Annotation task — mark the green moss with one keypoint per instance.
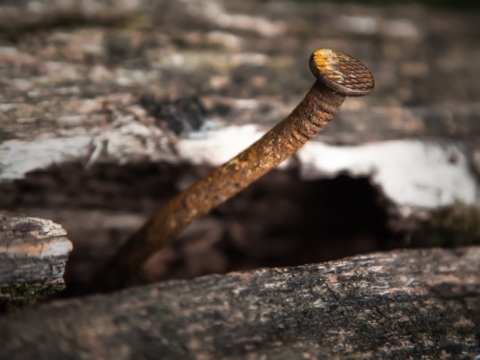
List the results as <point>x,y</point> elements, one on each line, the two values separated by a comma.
<point>137,22</point>
<point>17,295</point>
<point>455,5</point>
<point>14,32</point>
<point>450,226</point>
<point>456,225</point>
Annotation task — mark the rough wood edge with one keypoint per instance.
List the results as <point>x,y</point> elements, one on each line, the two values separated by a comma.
<point>33,254</point>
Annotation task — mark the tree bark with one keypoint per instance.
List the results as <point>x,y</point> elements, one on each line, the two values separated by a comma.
<point>397,305</point>
<point>33,253</point>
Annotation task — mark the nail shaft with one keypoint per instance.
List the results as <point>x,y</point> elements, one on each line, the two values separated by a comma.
<point>315,111</point>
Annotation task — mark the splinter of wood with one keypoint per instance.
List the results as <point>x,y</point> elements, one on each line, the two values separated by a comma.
<point>338,75</point>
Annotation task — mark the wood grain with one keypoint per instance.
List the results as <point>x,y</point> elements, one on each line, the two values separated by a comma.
<point>396,305</point>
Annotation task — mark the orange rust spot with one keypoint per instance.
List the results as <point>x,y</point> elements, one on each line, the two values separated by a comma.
<point>326,60</point>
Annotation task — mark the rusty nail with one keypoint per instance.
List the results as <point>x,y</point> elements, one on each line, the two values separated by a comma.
<point>338,75</point>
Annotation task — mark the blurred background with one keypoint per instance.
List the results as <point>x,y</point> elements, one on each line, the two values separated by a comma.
<point>108,108</point>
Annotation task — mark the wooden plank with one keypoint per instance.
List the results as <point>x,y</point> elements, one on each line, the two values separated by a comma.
<point>400,304</point>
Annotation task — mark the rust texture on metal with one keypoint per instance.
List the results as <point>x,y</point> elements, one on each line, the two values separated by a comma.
<point>338,75</point>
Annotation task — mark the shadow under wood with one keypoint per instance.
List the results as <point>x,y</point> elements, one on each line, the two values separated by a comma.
<point>279,220</point>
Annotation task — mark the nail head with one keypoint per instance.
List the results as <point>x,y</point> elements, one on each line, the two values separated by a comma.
<point>341,73</point>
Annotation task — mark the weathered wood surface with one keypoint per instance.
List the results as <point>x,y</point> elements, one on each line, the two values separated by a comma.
<point>33,254</point>
<point>198,81</point>
<point>100,101</point>
<point>397,305</point>
<point>118,86</point>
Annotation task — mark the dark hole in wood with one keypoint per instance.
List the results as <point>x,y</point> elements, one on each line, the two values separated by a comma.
<point>278,221</point>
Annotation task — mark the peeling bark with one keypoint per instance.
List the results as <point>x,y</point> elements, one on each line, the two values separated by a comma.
<point>398,305</point>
